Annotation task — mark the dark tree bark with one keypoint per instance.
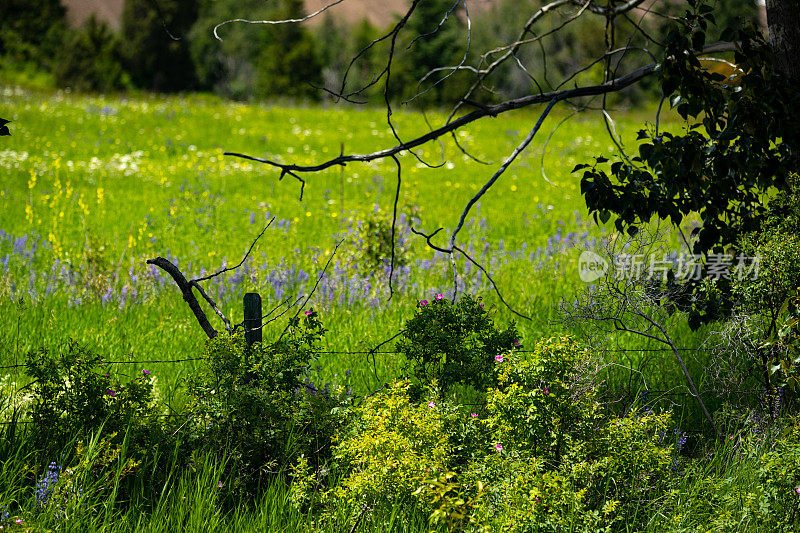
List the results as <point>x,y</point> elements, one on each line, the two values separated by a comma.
<point>783,21</point>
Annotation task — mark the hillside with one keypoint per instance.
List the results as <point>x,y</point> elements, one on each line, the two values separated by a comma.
<point>110,11</point>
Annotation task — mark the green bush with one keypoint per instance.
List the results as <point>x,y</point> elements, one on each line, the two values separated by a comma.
<point>391,445</point>
<point>541,455</point>
<point>771,298</point>
<point>372,242</point>
<point>455,343</point>
<point>544,402</point>
<point>556,458</point>
<point>74,397</point>
<point>779,474</point>
<point>258,405</point>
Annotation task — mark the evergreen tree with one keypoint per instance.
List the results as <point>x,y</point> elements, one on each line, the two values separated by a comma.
<point>27,27</point>
<point>157,52</point>
<point>90,59</point>
<point>430,46</point>
<point>289,64</point>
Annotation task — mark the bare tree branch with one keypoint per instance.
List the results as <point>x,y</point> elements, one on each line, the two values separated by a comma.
<point>188,295</point>
<point>186,287</point>
<point>287,21</point>
<point>629,303</point>
<point>246,255</point>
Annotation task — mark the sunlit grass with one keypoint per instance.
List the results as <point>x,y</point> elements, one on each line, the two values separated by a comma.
<point>93,186</point>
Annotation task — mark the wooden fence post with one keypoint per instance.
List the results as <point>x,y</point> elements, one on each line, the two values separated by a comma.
<point>252,318</point>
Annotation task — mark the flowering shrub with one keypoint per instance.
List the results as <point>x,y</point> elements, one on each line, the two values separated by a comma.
<point>73,397</point>
<point>552,458</point>
<point>455,343</point>
<point>391,445</point>
<point>543,400</point>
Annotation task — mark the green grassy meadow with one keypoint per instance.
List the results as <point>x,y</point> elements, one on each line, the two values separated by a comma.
<point>93,186</point>
<point>99,184</point>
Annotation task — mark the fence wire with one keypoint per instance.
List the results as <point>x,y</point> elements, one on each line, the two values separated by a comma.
<point>364,352</point>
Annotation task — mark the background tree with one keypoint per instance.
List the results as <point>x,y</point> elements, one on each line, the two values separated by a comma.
<point>157,51</point>
<point>434,39</point>
<point>227,65</point>
<point>288,64</point>
<point>91,59</point>
<point>245,60</point>
<point>31,30</point>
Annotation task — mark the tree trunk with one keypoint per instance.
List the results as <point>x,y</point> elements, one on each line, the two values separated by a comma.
<point>783,21</point>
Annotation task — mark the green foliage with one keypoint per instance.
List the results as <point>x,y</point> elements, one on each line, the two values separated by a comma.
<point>541,455</point>
<point>373,241</point>
<point>432,42</point>
<point>72,397</point>
<point>90,59</point>
<point>543,400</point>
<point>266,61</point>
<point>722,166</point>
<point>741,132</point>
<point>455,343</point>
<point>769,295</point>
<point>29,29</point>
<point>555,459</point>
<point>779,475</point>
<point>157,53</point>
<point>391,444</point>
<point>227,66</point>
<point>254,406</point>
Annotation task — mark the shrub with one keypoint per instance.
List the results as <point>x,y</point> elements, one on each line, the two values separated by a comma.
<point>770,299</point>
<point>254,405</point>
<point>544,401</point>
<point>552,457</point>
<point>779,474</point>
<point>72,397</point>
<point>391,445</point>
<point>455,343</point>
<point>372,241</point>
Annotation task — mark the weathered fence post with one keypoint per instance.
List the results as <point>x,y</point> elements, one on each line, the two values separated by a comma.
<point>252,318</point>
